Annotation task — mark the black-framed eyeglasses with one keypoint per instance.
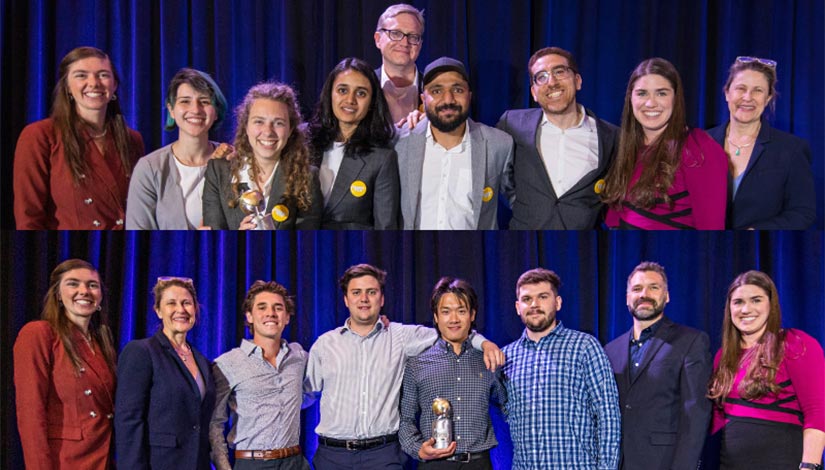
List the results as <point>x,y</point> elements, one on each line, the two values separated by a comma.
<point>747,59</point>
<point>562,72</point>
<point>185,280</point>
<point>395,35</point>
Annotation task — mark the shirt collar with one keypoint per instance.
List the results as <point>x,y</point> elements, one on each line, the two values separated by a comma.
<point>378,327</point>
<point>559,330</point>
<point>584,123</point>
<point>464,140</point>
<point>444,344</point>
<point>386,78</point>
<point>249,347</point>
<point>647,333</point>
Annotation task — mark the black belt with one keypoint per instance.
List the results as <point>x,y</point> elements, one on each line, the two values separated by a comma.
<point>467,457</point>
<point>358,444</point>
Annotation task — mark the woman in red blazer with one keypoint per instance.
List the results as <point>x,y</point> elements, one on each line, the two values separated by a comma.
<point>64,375</point>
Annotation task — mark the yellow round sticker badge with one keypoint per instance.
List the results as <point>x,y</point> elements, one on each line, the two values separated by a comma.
<point>598,187</point>
<point>280,213</point>
<point>358,188</point>
<point>487,194</point>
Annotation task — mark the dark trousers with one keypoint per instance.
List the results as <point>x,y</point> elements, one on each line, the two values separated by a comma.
<point>482,463</point>
<point>296,462</point>
<point>388,456</point>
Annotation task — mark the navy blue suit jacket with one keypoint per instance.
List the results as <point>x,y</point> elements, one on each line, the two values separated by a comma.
<point>161,422</point>
<point>665,414</point>
<point>777,189</point>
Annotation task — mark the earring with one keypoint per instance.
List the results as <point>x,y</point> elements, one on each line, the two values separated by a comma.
<point>98,307</point>
<point>114,97</point>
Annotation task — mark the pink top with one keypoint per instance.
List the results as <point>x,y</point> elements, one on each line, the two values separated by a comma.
<point>699,191</point>
<point>801,376</point>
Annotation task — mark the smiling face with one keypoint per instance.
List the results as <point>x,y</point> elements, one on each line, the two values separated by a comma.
<point>537,306</point>
<point>193,111</point>
<point>268,128</point>
<point>749,311</point>
<point>747,96</point>
<point>647,295</point>
<point>446,101</point>
<point>453,319</point>
<point>268,316</point>
<point>91,84</point>
<point>399,53</point>
<point>176,310</point>
<point>351,99</point>
<point>364,300</point>
<point>80,293</point>
<point>652,101</point>
<point>556,97</point>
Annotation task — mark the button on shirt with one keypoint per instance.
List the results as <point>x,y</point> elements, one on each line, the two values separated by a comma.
<point>639,346</point>
<point>568,154</point>
<point>563,404</point>
<point>447,185</point>
<point>265,401</point>
<point>461,379</point>
<point>360,377</point>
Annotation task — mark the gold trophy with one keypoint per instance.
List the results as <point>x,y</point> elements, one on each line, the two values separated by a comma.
<point>442,424</point>
<point>252,202</point>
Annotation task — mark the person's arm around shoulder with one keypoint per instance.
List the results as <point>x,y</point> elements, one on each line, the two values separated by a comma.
<point>310,219</point>
<point>706,177</point>
<point>135,373</point>
<point>805,363</point>
<point>213,215</point>
<point>32,173</point>
<point>386,203</point>
<point>696,408</point>
<point>220,415</point>
<point>142,201</point>
<point>33,364</point>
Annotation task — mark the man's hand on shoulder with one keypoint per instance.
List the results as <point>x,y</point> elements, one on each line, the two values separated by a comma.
<point>493,356</point>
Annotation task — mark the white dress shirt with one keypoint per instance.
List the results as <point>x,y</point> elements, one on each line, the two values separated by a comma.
<point>447,186</point>
<point>401,100</point>
<point>329,168</point>
<point>568,154</point>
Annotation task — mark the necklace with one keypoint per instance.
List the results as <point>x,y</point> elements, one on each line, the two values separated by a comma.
<point>99,136</point>
<point>743,146</point>
<point>184,352</point>
<point>87,337</point>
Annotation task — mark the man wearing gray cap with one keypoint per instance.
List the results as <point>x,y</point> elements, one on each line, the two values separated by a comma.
<point>452,168</point>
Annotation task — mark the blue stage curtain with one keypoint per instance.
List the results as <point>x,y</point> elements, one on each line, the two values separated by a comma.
<point>593,268</point>
<point>243,42</point>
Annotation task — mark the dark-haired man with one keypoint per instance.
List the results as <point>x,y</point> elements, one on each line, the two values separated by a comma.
<point>452,370</point>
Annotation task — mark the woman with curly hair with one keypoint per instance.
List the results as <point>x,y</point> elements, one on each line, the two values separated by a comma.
<point>767,383</point>
<point>271,158</point>
<point>666,176</point>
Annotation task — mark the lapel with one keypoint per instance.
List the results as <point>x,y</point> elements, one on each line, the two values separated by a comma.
<point>276,192</point>
<point>762,140</point>
<point>656,342</point>
<point>175,195</point>
<point>478,159</point>
<point>623,360</point>
<point>101,168</point>
<point>587,179</point>
<point>532,124</point>
<point>170,351</point>
<point>416,144</point>
<point>348,172</point>
<point>95,363</point>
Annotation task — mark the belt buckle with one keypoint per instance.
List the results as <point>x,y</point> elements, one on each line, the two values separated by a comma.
<point>349,445</point>
<point>257,455</point>
<point>465,457</point>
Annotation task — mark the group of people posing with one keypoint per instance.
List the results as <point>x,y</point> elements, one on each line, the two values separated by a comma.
<point>645,401</point>
<point>369,158</point>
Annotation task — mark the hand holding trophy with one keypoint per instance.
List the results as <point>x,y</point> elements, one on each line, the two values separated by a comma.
<point>251,201</point>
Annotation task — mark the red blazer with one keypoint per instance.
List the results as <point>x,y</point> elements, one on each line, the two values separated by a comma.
<point>45,197</point>
<point>64,418</point>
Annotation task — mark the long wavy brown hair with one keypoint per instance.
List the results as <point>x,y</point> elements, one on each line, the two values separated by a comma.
<point>54,313</point>
<point>294,159</point>
<point>69,125</point>
<point>662,157</point>
<point>765,356</point>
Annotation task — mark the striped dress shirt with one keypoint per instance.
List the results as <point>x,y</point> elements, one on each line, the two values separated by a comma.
<point>360,377</point>
<point>461,379</point>
<point>563,404</point>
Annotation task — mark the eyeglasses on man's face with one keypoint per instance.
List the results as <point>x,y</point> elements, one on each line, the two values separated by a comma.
<point>747,59</point>
<point>562,72</point>
<point>395,35</point>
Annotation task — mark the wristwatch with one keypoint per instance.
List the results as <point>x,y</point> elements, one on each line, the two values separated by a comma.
<point>810,466</point>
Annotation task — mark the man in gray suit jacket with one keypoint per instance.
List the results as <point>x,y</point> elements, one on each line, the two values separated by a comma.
<point>562,150</point>
<point>452,169</point>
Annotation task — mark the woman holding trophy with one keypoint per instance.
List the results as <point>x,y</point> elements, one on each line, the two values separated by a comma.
<point>269,184</point>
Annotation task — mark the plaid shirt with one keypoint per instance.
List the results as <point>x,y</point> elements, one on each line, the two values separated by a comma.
<point>563,404</point>
<point>464,382</point>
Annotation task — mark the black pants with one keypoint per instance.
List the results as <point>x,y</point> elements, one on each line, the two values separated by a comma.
<point>386,457</point>
<point>482,463</point>
<point>750,444</point>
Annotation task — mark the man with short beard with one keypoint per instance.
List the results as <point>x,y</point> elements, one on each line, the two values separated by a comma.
<point>563,407</point>
<point>662,370</point>
<point>562,149</point>
<point>452,168</point>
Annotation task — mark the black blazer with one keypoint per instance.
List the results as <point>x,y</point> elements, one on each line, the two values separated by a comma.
<point>217,188</point>
<point>536,205</point>
<point>665,414</point>
<point>777,191</point>
<point>378,207</point>
<point>161,420</point>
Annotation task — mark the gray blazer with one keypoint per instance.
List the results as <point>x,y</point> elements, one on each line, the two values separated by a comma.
<point>492,153</point>
<point>536,205</point>
<point>378,207</point>
<point>217,191</point>
<point>155,200</point>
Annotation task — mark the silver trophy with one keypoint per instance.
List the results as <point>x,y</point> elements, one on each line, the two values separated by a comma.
<point>252,202</point>
<point>442,424</point>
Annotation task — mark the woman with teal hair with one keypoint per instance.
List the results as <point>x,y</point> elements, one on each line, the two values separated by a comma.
<point>167,185</point>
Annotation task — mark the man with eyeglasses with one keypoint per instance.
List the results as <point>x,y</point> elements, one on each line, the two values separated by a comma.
<point>452,168</point>
<point>398,36</point>
<point>562,150</point>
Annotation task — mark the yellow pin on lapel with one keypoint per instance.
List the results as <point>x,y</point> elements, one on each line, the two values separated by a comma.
<point>598,187</point>
<point>280,213</point>
<point>487,194</point>
<point>358,188</point>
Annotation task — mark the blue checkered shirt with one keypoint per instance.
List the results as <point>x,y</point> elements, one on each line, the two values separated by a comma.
<point>563,404</point>
<point>464,382</point>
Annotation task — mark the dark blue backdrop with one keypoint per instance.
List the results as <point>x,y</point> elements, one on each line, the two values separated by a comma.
<point>593,267</point>
<point>243,42</point>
